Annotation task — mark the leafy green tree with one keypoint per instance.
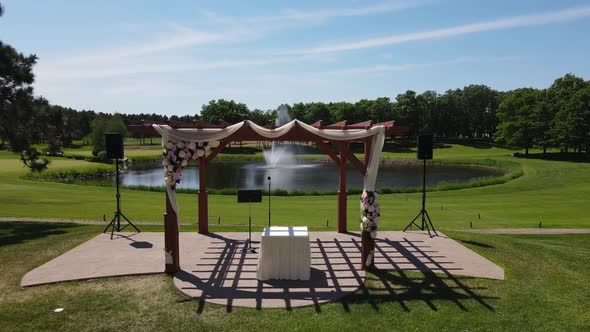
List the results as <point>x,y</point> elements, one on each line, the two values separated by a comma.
<point>16,95</point>
<point>543,122</point>
<point>447,118</point>
<point>517,118</point>
<point>426,103</point>
<point>116,125</point>
<point>380,110</point>
<point>572,122</point>
<point>344,111</point>
<point>300,111</point>
<point>481,105</point>
<point>558,96</point>
<point>260,117</point>
<point>407,110</point>
<point>19,119</point>
<point>363,108</point>
<point>319,111</point>
<point>106,124</point>
<point>99,129</point>
<point>224,110</point>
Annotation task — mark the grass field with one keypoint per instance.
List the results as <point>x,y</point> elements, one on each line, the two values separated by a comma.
<point>545,290</point>
<point>552,192</point>
<point>546,276</point>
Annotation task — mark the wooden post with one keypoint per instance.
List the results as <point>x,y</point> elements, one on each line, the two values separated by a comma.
<point>171,243</point>
<point>203,209</point>
<point>367,246</point>
<point>342,194</point>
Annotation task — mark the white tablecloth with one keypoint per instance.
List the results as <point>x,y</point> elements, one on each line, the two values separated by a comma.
<point>284,253</point>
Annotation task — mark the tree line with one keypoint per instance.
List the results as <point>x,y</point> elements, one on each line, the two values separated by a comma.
<point>555,117</point>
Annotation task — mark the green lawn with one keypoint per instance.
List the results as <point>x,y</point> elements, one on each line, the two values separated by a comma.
<point>551,192</point>
<point>546,276</point>
<point>545,290</point>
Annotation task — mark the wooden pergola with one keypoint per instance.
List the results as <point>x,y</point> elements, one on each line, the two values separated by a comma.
<point>338,150</point>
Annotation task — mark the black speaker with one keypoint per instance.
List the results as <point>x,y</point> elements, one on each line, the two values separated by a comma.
<point>249,196</point>
<point>424,147</point>
<point>114,145</point>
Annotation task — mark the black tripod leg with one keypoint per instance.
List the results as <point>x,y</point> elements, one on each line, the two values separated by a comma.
<point>412,222</point>
<point>110,224</point>
<point>431,225</point>
<point>130,223</point>
<point>113,228</point>
<point>425,224</point>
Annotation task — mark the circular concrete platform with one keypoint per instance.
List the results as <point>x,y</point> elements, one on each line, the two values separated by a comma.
<point>221,272</point>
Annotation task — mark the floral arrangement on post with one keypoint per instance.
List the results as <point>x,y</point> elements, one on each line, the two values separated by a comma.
<point>370,212</point>
<point>370,219</point>
<point>177,155</point>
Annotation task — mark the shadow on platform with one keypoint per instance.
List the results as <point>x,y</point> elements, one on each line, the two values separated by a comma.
<point>408,271</point>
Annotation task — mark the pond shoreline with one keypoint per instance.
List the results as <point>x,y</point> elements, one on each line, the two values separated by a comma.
<point>96,177</point>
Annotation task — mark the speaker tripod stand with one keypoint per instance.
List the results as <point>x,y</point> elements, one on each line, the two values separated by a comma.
<point>115,224</point>
<point>423,214</point>
<point>249,247</point>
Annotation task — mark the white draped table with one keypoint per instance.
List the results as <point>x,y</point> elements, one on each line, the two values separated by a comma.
<point>284,253</point>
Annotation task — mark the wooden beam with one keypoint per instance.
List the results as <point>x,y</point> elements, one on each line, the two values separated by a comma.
<point>317,124</point>
<point>217,150</point>
<point>342,220</point>
<point>361,125</point>
<point>329,152</point>
<point>171,237</point>
<point>343,147</point>
<point>203,203</point>
<point>337,125</point>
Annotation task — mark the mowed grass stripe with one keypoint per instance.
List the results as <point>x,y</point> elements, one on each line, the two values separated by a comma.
<point>551,192</point>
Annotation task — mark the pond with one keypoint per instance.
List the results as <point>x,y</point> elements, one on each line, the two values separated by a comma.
<point>308,175</point>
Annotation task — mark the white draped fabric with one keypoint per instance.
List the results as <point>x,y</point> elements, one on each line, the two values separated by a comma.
<point>215,134</point>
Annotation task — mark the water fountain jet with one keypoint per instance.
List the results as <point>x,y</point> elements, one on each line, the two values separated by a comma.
<point>279,153</point>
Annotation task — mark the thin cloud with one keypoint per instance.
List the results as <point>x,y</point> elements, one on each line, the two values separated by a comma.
<point>500,24</point>
<point>182,37</point>
<point>322,15</point>
<point>56,73</point>
<point>379,68</point>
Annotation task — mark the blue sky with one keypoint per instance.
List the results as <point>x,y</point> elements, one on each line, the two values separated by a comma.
<point>172,57</point>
